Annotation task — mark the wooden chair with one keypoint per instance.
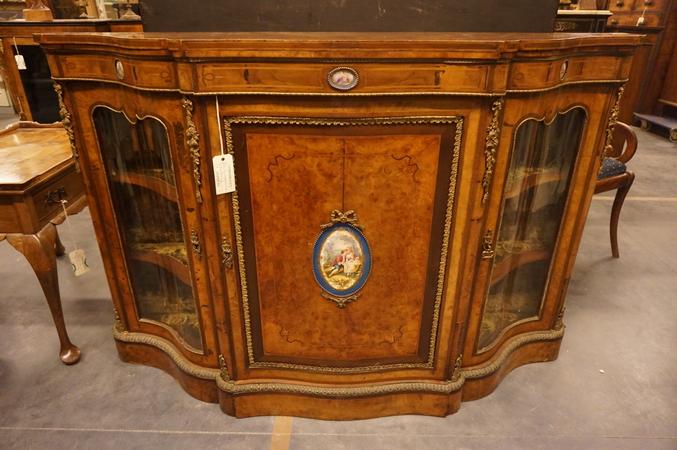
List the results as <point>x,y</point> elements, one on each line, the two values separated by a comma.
<point>614,175</point>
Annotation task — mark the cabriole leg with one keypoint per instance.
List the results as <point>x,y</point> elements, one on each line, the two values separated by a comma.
<point>40,250</point>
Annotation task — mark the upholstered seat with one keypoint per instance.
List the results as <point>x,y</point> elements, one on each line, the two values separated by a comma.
<point>613,174</point>
<point>611,167</point>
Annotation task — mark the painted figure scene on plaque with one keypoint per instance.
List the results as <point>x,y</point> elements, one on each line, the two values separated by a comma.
<point>341,259</point>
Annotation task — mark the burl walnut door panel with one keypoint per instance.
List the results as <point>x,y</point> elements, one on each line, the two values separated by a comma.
<point>387,186</point>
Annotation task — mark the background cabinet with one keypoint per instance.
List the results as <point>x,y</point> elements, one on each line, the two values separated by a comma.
<point>581,21</point>
<point>31,91</point>
<point>657,20</point>
<point>527,16</point>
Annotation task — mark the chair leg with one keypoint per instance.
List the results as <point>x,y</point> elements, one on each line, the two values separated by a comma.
<point>616,212</point>
<point>39,250</point>
<point>60,250</point>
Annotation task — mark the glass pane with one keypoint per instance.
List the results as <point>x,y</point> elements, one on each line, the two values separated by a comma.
<point>141,179</point>
<point>535,193</point>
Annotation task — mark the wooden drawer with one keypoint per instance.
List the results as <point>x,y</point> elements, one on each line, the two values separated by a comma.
<point>244,77</point>
<point>621,5</point>
<point>637,5</point>
<point>311,78</point>
<point>630,20</point>
<point>548,74</point>
<point>144,74</point>
<point>67,186</point>
<point>651,5</point>
<point>586,25</point>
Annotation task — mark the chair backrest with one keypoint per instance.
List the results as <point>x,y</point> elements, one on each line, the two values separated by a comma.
<point>624,143</point>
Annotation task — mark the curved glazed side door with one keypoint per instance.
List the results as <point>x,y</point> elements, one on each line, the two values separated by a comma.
<point>545,167</point>
<point>145,202</point>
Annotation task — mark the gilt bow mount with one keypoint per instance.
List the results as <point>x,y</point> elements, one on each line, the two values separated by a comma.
<point>341,258</point>
<point>337,216</point>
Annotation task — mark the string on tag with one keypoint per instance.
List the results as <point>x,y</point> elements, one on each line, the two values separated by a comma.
<point>77,257</point>
<point>218,122</point>
<point>68,223</point>
<point>18,58</point>
<point>224,168</point>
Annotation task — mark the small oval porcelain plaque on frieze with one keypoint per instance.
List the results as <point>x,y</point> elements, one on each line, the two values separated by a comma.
<point>343,78</point>
<point>563,70</point>
<point>119,69</point>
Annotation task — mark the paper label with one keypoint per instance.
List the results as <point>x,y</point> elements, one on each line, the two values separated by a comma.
<point>20,62</point>
<point>78,262</point>
<point>224,174</point>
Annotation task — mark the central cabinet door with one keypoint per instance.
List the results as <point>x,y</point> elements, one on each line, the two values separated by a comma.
<point>342,231</point>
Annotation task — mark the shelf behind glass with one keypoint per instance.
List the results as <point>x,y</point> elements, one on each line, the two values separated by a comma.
<point>535,193</point>
<point>144,195</point>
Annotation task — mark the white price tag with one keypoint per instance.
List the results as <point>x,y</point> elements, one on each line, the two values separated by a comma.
<point>224,174</point>
<point>78,262</point>
<point>20,62</point>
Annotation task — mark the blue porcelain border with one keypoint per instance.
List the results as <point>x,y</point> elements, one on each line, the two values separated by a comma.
<point>366,265</point>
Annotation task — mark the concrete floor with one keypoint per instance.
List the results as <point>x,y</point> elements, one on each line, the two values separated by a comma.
<point>7,116</point>
<point>613,386</point>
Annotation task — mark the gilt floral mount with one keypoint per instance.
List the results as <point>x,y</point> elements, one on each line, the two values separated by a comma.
<point>341,258</point>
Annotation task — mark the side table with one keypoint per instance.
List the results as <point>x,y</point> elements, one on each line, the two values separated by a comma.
<point>37,172</point>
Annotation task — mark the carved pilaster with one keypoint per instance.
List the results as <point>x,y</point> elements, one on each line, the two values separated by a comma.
<point>119,327</point>
<point>490,146</point>
<point>613,119</point>
<point>67,123</point>
<point>223,369</point>
<point>193,144</point>
<point>456,374</point>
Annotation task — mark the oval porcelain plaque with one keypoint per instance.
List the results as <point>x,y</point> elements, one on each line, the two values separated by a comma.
<point>343,78</point>
<point>119,69</point>
<point>563,70</point>
<point>341,260</point>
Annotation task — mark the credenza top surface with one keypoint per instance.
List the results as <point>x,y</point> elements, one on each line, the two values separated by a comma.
<point>502,42</point>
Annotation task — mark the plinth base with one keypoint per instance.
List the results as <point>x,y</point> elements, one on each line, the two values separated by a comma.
<point>247,398</point>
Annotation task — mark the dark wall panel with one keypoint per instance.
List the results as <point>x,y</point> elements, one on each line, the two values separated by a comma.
<point>349,15</point>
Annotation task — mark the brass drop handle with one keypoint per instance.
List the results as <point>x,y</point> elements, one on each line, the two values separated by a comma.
<point>620,3</point>
<point>648,2</point>
<point>56,196</point>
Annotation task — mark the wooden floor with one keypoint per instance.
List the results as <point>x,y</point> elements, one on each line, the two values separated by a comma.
<point>613,386</point>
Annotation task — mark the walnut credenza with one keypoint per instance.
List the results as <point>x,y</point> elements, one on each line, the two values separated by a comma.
<point>406,215</point>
